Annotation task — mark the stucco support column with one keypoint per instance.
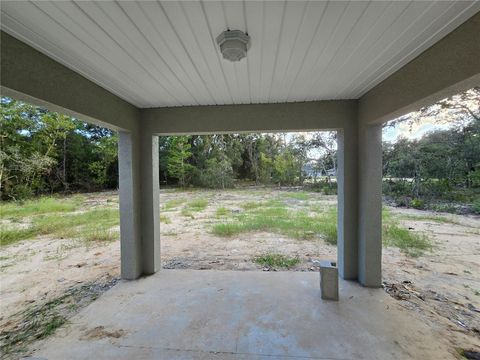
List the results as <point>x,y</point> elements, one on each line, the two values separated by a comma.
<point>129,198</point>
<point>347,244</point>
<point>370,205</point>
<point>139,204</point>
<point>150,206</point>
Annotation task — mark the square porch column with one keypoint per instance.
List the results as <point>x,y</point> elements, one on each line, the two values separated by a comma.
<point>347,241</point>
<point>139,204</point>
<point>370,205</point>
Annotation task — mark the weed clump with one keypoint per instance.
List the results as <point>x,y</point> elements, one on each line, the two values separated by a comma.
<point>276,261</point>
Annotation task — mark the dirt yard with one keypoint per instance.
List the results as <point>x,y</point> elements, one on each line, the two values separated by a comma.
<point>249,229</point>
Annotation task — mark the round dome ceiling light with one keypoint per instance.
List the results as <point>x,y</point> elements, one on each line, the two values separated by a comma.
<point>233,44</point>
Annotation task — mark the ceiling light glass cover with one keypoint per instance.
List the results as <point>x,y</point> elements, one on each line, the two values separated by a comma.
<point>233,44</point>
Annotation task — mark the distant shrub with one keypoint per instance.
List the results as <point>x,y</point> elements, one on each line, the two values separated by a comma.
<point>417,203</point>
<point>397,188</point>
<point>218,174</point>
<point>21,192</point>
<point>476,206</point>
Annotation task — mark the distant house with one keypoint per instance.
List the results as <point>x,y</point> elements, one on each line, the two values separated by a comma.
<point>310,170</point>
<point>331,172</point>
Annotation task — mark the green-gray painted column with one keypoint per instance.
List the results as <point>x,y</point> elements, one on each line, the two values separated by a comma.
<point>139,204</point>
<point>347,241</point>
<point>150,209</point>
<point>370,205</point>
<point>129,198</point>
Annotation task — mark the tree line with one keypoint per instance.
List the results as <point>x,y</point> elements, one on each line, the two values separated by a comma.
<point>43,152</point>
<point>217,161</point>
<point>441,165</point>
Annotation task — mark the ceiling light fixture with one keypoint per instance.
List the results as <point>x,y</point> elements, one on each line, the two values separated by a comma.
<point>233,44</point>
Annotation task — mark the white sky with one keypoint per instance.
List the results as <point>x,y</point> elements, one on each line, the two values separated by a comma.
<point>392,134</point>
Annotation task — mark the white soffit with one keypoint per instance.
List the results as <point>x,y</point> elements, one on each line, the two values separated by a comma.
<point>163,53</point>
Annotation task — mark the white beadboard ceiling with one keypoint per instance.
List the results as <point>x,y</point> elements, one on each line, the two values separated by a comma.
<point>163,53</point>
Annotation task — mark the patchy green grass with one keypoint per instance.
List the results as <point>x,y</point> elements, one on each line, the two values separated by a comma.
<point>170,233</point>
<point>93,225</point>
<point>76,225</point>
<point>165,219</point>
<point>11,235</point>
<point>222,211</point>
<point>434,218</point>
<point>298,195</point>
<point>412,243</point>
<point>99,234</point>
<point>276,261</point>
<point>249,205</point>
<point>197,205</point>
<point>439,219</point>
<point>296,224</point>
<point>42,205</point>
<point>173,204</point>
<point>275,217</point>
<point>187,213</point>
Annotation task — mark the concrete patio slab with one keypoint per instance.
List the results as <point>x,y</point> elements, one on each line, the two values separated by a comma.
<point>183,314</point>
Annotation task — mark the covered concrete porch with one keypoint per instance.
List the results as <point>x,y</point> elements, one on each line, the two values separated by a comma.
<point>350,67</point>
<point>40,63</point>
<point>182,314</point>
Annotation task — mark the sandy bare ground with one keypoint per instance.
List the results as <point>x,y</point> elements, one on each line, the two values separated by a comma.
<point>442,286</point>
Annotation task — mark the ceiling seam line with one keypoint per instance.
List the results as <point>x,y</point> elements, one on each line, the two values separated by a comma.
<point>234,65</point>
<point>92,49</point>
<point>262,40</point>
<point>62,62</point>
<point>212,78</point>
<point>295,41</point>
<point>359,44</point>
<point>216,52</point>
<point>324,10</point>
<point>338,48</point>
<point>282,21</point>
<point>165,43</point>
<point>331,35</point>
<point>158,54</point>
<point>376,42</point>
<point>52,44</point>
<point>133,43</point>
<point>397,38</point>
<point>185,49</point>
<point>244,6</point>
<point>127,53</point>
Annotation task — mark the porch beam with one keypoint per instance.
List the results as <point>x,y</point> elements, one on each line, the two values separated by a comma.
<point>448,67</point>
<point>306,116</point>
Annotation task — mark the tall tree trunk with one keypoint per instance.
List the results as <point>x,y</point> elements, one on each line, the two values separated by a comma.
<point>64,170</point>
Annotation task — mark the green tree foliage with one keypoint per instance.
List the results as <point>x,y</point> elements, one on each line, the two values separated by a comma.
<point>217,161</point>
<point>287,168</point>
<point>44,152</point>
<point>218,173</point>
<point>444,164</point>
<point>178,166</point>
